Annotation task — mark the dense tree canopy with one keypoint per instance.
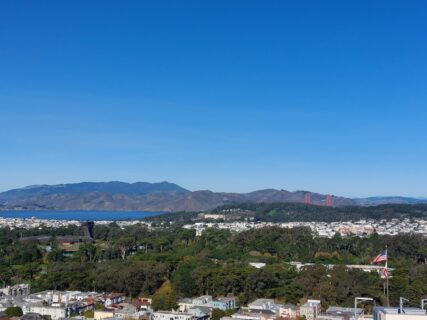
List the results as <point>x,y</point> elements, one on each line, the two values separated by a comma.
<point>171,262</point>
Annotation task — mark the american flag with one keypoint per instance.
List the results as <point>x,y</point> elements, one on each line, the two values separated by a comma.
<point>385,273</point>
<point>381,257</point>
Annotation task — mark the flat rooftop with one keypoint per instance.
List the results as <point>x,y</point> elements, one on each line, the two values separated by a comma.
<point>396,310</point>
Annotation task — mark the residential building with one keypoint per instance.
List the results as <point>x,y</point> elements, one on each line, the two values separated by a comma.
<point>170,315</point>
<point>289,311</point>
<point>263,304</point>
<point>254,315</point>
<point>126,311</point>
<point>53,312</point>
<point>310,309</point>
<point>81,306</point>
<point>200,313</point>
<point>223,303</point>
<point>259,315</point>
<point>385,313</point>
<point>144,304</point>
<point>103,314</point>
<point>339,313</point>
<point>114,298</point>
<point>242,317</point>
<point>202,300</point>
<point>185,304</point>
<point>16,290</point>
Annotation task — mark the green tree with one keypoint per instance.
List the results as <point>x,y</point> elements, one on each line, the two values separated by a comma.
<point>165,297</point>
<point>14,312</point>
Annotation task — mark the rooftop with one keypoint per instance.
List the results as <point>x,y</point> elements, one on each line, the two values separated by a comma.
<point>396,310</point>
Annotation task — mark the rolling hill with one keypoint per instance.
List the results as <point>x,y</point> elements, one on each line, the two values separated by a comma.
<point>162,196</point>
<point>141,196</point>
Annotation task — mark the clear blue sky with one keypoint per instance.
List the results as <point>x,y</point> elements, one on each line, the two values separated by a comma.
<point>328,96</point>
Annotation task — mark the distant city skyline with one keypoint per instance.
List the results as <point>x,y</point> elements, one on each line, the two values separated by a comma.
<point>236,96</point>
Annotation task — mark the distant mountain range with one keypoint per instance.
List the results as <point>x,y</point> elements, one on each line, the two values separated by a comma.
<point>162,196</point>
<point>112,187</point>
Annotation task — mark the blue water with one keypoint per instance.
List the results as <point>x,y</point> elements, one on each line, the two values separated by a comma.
<point>79,215</point>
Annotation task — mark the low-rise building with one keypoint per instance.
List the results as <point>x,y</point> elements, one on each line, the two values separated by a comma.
<point>200,313</point>
<point>53,312</point>
<point>114,298</point>
<point>103,314</point>
<point>202,300</point>
<point>263,304</point>
<point>311,309</point>
<point>144,304</point>
<point>224,303</point>
<point>385,313</point>
<point>126,311</point>
<point>339,313</point>
<point>289,311</point>
<point>170,315</point>
<point>16,290</point>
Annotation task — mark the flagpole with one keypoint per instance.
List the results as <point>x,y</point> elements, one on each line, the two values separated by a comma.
<point>384,286</point>
<point>386,266</point>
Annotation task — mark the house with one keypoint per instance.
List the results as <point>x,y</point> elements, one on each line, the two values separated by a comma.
<point>383,313</point>
<point>200,313</point>
<point>81,306</point>
<point>202,300</point>
<point>103,314</point>
<point>263,304</point>
<point>246,314</point>
<point>339,313</point>
<point>126,311</point>
<point>53,312</point>
<point>16,290</point>
<point>114,298</point>
<point>260,314</point>
<point>311,309</point>
<point>170,315</point>
<point>241,316</point>
<point>207,301</point>
<point>223,303</point>
<point>144,304</point>
<point>289,311</point>
<point>185,304</point>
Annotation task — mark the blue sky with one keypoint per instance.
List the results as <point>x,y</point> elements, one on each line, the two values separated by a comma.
<point>328,96</point>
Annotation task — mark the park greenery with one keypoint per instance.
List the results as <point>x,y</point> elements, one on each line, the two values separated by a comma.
<point>290,212</point>
<point>171,262</point>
